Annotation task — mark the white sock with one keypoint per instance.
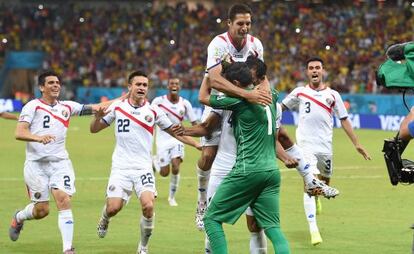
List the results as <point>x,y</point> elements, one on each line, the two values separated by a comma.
<point>310,211</point>
<point>207,246</point>
<point>146,225</point>
<point>174,182</point>
<point>258,243</point>
<point>104,215</point>
<point>26,213</point>
<point>65,222</point>
<point>295,152</point>
<point>155,163</point>
<point>203,177</point>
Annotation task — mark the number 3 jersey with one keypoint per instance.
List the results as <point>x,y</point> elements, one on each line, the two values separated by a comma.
<point>134,128</point>
<point>45,119</point>
<point>316,110</point>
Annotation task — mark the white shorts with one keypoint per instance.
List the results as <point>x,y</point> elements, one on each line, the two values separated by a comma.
<point>214,138</point>
<point>123,182</point>
<point>213,184</point>
<point>319,163</point>
<point>164,156</point>
<point>41,176</point>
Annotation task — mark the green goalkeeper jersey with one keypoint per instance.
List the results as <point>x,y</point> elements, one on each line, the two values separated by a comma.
<point>254,130</point>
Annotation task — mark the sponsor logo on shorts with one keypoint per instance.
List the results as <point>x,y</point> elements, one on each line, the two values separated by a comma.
<point>111,188</point>
<point>162,160</point>
<point>37,195</point>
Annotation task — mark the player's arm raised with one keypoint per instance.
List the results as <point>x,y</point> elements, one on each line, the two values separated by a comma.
<point>23,133</point>
<point>205,128</point>
<point>217,81</point>
<point>98,123</point>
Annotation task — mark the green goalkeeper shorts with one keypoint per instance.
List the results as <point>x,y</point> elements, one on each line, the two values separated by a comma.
<point>259,190</point>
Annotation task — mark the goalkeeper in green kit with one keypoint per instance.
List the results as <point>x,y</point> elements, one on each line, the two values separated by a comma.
<point>255,178</point>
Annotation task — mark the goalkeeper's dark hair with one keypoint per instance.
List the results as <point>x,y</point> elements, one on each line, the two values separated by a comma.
<point>136,74</point>
<point>238,9</point>
<point>257,64</point>
<point>42,77</point>
<point>240,72</point>
<point>314,59</point>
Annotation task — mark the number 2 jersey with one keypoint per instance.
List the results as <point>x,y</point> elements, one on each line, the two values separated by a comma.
<point>45,119</point>
<point>134,129</point>
<point>316,111</point>
<point>176,112</point>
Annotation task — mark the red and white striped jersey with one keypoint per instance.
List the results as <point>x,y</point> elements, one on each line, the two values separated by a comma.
<point>134,129</point>
<point>316,111</point>
<point>176,112</point>
<point>45,119</point>
<point>223,45</point>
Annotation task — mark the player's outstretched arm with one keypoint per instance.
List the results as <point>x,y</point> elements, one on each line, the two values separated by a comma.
<point>404,133</point>
<point>23,133</point>
<point>346,125</point>
<point>97,123</point>
<point>185,139</point>
<point>284,157</point>
<point>9,116</point>
<point>90,109</point>
<point>257,96</point>
<point>205,128</point>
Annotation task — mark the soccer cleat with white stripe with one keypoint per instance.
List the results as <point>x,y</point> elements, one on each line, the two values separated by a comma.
<point>15,228</point>
<point>142,249</point>
<point>172,201</point>
<point>316,187</point>
<point>201,209</point>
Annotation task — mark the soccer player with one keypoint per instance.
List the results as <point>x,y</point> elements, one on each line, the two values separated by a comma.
<point>236,44</point>
<point>169,149</point>
<point>317,104</point>
<point>255,179</point>
<point>131,170</point>
<point>43,124</point>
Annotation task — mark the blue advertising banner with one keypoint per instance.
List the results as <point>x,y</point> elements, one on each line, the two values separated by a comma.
<point>11,105</point>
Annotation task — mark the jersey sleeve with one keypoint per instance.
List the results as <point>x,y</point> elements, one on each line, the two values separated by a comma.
<point>339,107</point>
<point>278,115</point>
<point>161,119</point>
<point>216,51</point>
<point>189,112</point>
<point>224,102</point>
<point>291,100</point>
<point>259,49</point>
<point>110,117</point>
<point>75,108</point>
<point>28,112</point>
<point>156,101</point>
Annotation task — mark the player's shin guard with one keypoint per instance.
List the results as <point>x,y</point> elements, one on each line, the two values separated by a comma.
<point>146,225</point>
<point>215,233</point>
<point>174,182</point>
<point>309,205</point>
<point>26,213</point>
<point>203,178</point>
<point>65,222</point>
<point>258,243</point>
<point>279,242</point>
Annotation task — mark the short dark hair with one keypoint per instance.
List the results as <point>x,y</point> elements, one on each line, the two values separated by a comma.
<point>239,71</point>
<point>42,77</point>
<point>256,63</point>
<point>238,9</point>
<point>136,74</point>
<point>313,59</point>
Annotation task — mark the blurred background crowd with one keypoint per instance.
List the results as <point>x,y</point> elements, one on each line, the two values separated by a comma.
<point>99,44</point>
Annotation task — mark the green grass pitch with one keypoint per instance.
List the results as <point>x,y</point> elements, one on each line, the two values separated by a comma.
<point>369,216</point>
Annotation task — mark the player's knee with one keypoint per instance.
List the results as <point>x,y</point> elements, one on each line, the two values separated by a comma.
<point>148,209</point>
<point>207,160</point>
<point>40,210</point>
<point>112,209</point>
<point>175,169</point>
<point>165,171</point>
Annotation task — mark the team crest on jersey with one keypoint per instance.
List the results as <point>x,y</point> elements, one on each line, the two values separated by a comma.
<point>65,113</point>
<point>148,118</point>
<point>181,112</point>
<point>329,101</point>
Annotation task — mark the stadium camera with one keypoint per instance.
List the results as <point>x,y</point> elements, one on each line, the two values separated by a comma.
<point>399,170</point>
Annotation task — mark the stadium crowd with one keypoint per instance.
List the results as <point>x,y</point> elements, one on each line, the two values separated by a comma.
<point>98,45</point>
